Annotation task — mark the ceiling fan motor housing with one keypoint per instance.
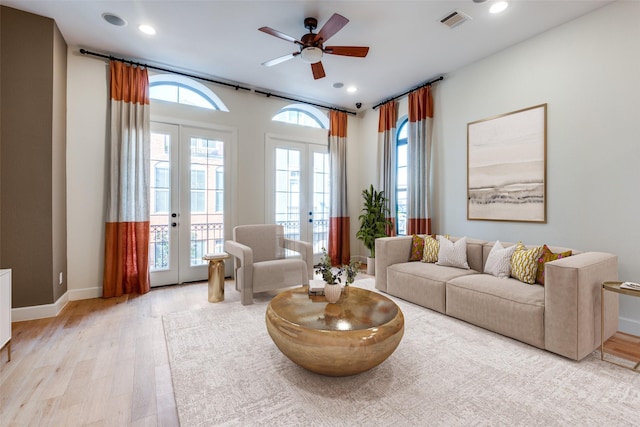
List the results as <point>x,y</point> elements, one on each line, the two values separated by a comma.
<point>310,23</point>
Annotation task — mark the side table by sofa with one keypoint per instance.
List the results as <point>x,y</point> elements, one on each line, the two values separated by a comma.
<point>216,275</point>
<point>626,346</point>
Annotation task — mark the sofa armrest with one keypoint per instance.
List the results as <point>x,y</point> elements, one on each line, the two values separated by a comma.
<point>243,263</point>
<point>303,248</point>
<point>572,303</point>
<point>389,251</point>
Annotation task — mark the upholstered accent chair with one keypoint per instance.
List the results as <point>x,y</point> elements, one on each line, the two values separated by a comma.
<point>260,263</point>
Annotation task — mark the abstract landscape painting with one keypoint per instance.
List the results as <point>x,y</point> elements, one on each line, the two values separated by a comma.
<point>506,167</point>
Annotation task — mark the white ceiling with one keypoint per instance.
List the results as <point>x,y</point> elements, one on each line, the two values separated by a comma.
<point>220,39</point>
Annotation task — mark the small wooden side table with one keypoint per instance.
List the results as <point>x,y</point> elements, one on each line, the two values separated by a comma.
<point>216,275</point>
<point>635,355</point>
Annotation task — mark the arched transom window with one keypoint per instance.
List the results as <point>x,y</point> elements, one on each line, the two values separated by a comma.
<point>183,90</point>
<point>302,115</point>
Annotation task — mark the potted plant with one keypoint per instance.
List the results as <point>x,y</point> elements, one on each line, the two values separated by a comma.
<point>373,222</point>
<point>331,277</point>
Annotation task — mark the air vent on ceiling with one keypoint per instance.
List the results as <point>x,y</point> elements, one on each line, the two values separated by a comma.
<point>455,18</point>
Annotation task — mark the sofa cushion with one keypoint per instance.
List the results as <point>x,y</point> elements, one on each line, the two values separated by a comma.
<point>422,283</point>
<point>499,260</point>
<point>524,263</point>
<point>453,254</point>
<point>506,306</point>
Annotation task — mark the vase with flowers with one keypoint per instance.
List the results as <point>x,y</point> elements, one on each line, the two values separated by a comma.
<point>332,276</point>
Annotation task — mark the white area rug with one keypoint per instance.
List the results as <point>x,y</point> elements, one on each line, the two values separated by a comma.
<point>227,371</point>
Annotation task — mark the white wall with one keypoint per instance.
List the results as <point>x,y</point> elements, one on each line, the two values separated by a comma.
<point>250,115</point>
<point>588,72</point>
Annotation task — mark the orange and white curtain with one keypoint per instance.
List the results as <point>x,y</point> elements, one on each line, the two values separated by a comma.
<point>126,262</point>
<point>339,250</point>
<point>387,155</point>
<point>419,159</point>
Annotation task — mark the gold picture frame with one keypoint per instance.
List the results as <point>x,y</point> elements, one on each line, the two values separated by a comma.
<point>507,167</point>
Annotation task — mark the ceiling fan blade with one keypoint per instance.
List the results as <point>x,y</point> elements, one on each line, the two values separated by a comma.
<point>333,25</point>
<point>280,35</point>
<point>318,70</point>
<point>276,61</point>
<point>359,51</point>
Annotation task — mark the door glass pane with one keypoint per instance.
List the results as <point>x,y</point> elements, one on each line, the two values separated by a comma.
<point>320,201</point>
<point>160,202</point>
<point>206,184</point>
<point>401,190</point>
<point>287,195</point>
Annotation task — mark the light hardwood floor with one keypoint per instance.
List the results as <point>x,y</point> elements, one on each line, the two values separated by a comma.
<point>101,362</point>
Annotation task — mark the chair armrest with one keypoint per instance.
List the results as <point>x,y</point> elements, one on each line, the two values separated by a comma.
<point>242,253</point>
<point>303,248</point>
<point>243,263</point>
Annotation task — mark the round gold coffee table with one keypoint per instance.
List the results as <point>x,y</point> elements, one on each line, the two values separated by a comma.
<point>349,337</point>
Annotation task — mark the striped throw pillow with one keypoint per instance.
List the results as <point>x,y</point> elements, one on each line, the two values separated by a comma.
<point>453,254</point>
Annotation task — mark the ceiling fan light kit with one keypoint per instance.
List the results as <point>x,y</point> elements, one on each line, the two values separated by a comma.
<point>311,44</point>
<point>311,55</point>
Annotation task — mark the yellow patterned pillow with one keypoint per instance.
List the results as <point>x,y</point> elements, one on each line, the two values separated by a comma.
<point>524,263</point>
<point>417,248</point>
<point>431,248</point>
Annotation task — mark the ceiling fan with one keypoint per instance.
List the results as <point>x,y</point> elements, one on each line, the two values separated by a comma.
<point>312,45</point>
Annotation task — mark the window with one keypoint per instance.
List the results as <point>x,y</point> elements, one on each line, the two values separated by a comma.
<point>401,178</point>
<point>161,188</point>
<point>183,90</point>
<point>219,189</point>
<point>198,187</point>
<point>302,115</point>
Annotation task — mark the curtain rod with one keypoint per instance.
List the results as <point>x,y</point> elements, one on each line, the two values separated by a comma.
<point>268,95</point>
<point>409,91</point>
<point>235,86</point>
<point>127,61</point>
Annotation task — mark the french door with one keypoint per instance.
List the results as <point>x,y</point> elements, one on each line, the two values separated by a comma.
<point>187,201</point>
<point>297,189</point>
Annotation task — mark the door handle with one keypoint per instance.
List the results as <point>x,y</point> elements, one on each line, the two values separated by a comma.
<point>173,224</point>
<point>173,215</point>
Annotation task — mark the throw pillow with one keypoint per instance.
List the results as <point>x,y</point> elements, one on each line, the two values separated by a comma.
<point>545,257</point>
<point>452,254</point>
<point>430,251</point>
<point>417,248</point>
<point>524,263</point>
<point>499,260</point>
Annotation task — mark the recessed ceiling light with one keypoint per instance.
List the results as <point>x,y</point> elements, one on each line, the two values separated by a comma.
<point>479,1</point>
<point>147,29</point>
<point>352,89</point>
<point>498,7</point>
<point>338,85</point>
<point>114,19</point>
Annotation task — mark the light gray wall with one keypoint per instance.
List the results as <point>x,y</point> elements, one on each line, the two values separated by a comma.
<point>588,72</point>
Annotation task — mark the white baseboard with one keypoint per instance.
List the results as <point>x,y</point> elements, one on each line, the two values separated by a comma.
<point>629,326</point>
<point>39,311</point>
<point>86,293</point>
<point>52,310</point>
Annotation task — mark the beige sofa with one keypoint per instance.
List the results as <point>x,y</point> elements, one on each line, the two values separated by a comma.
<point>563,316</point>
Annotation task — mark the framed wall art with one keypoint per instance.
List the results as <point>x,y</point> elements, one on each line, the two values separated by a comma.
<point>506,167</point>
